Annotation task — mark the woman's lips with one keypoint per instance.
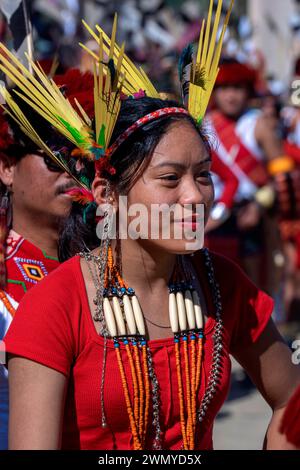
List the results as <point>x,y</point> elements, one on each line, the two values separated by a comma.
<point>190,226</point>
<point>193,223</point>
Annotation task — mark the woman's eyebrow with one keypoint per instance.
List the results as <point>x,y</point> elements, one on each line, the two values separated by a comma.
<point>180,166</point>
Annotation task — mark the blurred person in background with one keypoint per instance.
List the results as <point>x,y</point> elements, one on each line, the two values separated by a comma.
<point>250,143</point>
<point>290,228</point>
<point>36,214</point>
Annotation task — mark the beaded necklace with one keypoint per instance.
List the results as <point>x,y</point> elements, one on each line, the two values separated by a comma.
<point>121,317</point>
<point>7,303</point>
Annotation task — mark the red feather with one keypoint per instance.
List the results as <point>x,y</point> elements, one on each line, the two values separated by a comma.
<point>6,136</point>
<point>80,86</point>
<point>81,195</point>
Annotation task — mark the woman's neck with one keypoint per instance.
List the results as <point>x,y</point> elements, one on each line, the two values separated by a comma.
<point>143,266</point>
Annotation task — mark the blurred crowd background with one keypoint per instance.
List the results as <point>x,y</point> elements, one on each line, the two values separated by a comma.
<point>264,33</point>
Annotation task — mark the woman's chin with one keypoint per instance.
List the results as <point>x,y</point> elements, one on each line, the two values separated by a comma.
<point>177,247</point>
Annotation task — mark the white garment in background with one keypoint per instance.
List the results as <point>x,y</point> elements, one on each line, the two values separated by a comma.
<point>5,321</point>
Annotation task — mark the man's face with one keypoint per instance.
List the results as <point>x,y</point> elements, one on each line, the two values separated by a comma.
<point>231,100</point>
<point>38,190</point>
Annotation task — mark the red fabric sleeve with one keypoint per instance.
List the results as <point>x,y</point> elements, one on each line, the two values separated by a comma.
<point>251,310</point>
<point>228,178</point>
<point>290,425</point>
<point>42,328</point>
<point>292,150</point>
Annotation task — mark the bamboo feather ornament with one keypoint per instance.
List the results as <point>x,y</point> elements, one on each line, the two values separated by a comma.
<point>205,69</point>
<point>135,77</point>
<point>115,78</point>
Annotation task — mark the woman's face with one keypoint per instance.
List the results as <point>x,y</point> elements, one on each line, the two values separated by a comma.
<point>178,177</point>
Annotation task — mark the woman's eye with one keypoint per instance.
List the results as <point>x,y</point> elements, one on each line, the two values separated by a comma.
<point>172,177</point>
<point>205,174</point>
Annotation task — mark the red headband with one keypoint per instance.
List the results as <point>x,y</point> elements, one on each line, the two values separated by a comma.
<point>141,122</point>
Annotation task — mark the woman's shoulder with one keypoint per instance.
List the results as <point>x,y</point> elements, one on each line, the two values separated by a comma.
<point>61,282</point>
<point>65,269</point>
<point>46,326</point>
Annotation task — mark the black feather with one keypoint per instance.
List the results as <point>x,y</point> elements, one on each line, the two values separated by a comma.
<point>112,69</point>
<point>185,59</point>
<point>184,71</point>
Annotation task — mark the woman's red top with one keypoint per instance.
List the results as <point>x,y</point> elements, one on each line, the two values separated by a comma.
<point>53,326</point>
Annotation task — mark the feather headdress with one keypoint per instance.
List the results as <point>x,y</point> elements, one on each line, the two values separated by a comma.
<point>45,97</point>
<point>202,72</point>
<point>136,80</point>
<point>197,75</point>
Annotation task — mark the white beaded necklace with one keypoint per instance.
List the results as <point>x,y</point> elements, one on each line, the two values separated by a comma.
<point>123,317</point>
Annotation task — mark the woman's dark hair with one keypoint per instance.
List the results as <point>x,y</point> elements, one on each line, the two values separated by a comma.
<point>130,160</point>
<point>78,231</point>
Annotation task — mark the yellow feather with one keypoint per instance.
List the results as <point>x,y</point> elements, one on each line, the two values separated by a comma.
<point>45,97</point>
<point>206,66</point>
<point>18,116</point>
<point>135,78</point>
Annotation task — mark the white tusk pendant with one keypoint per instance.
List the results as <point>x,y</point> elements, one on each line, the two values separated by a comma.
<point>138,315</point>
<point>129,315</point>
<point>190,312</point>
<point>181,311</point>
<point>198,310</point>
<point>119,316</point>
<point>109,318</point>
<point>173,314</point>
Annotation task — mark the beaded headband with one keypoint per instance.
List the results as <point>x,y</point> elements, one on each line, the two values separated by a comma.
<point>141,122</point>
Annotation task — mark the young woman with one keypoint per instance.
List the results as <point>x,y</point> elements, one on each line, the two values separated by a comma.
<point>127,346</point>
<point>74,387</point>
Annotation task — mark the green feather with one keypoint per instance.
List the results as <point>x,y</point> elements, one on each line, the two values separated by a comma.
<point>80,140</point>
<point>84,180</point>
<point>101,136</point>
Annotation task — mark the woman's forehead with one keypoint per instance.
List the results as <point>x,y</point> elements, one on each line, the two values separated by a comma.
<point>181,144</point>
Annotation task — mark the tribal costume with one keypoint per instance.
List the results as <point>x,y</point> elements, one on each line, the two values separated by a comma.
<point>22,264</point>
<point>124,390</point>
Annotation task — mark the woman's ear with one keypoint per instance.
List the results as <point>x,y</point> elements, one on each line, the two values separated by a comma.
<point>7,169</point>
<point>99,190</point>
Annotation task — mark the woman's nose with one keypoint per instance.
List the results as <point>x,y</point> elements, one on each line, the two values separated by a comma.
<point>192,193</point>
